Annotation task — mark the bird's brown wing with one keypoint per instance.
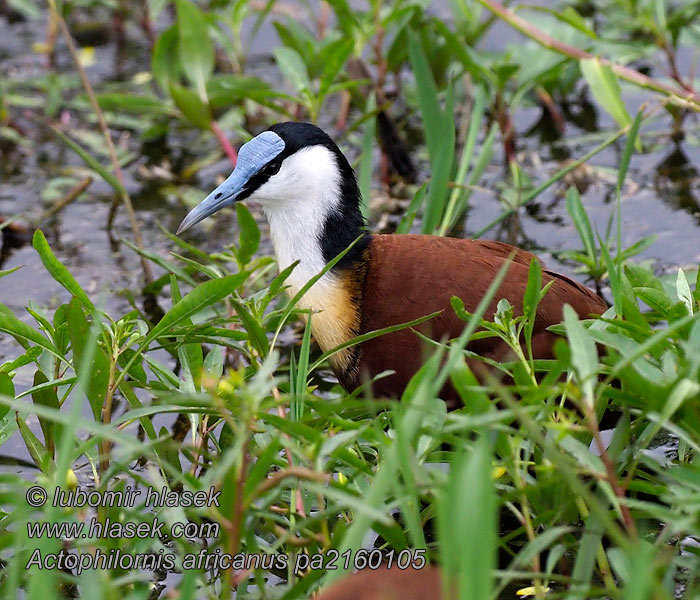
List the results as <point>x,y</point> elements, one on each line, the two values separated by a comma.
<point>494,249</point>
<point>410,276</point>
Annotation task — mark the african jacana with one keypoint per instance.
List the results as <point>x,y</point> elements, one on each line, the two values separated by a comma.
<point>309,194</point>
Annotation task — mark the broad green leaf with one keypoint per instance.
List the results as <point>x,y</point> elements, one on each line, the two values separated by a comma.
<point>642,277</point>
<point>195,46</point>
<point>22,332</point>
<point>293,68</point>
<point>37,451</point>
<point>165,447</point>
<point>202,296</point>
<point>135,404</point>
<point>533,289</point>
<point>249,236</point>
<point>606,89</point>
<point>226,90</point>
<point>136,370</point>
<point>7,388</point>
<point>637,247</point>
<point>8,424</point>
<point>334,56</point>
<point>656,299</point>
<point>684,390</point>
<point>58,271</point>
<point>214,363</point>
<point>683,291</point>
<point>572,17</point>
<point>164,68</point>
<point>31,355</point>
<point>41,319</point>
<point>60,329</point>
<point>412,211</point>
<point>584,356</point>
<point>256,334</point>
<point>262,467</point>
<point>135,104</point>
<point>28,8</point>
<point>98,368</point>
<point>298,38</point>
<point>635,567</point>
<point>191,106</point>
<point>474,62</point>
<point>48,384</point>
<point>540,543</point>
<point>46,397</point>
<point>469,388</point>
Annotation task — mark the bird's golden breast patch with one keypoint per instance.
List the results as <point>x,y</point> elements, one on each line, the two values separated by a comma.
<point>334,303</point>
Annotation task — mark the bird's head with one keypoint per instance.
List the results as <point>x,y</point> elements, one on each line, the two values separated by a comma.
<point>289,167</point>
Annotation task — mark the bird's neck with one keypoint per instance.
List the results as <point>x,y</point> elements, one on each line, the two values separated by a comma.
<point>313,232</point>
<point>295,237</point>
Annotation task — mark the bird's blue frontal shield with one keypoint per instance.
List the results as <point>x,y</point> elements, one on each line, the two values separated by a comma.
<point>252,157</point>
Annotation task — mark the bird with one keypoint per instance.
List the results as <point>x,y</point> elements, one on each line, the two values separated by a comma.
<point>388,584</point>
<point>310,196</point>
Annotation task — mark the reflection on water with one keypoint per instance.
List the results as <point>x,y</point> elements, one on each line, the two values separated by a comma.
<point>676,182</point>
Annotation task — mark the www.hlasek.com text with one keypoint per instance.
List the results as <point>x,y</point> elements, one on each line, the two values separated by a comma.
<point>95,528</point>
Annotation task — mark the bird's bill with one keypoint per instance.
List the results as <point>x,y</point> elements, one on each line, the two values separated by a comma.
<point>222,196</point>
<point>252,157</point>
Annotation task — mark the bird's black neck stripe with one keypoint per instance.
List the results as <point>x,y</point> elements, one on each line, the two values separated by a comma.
<point>345,225</point>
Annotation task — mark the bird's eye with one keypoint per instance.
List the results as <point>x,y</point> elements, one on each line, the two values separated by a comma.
<point>271,169</point>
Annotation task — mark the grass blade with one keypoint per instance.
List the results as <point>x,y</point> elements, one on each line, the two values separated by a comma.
<point>91,162</point>
<point>58,271</point>
<point>195,46</point>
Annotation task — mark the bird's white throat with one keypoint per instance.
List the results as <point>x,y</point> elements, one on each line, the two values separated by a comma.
<point>297,202</point>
